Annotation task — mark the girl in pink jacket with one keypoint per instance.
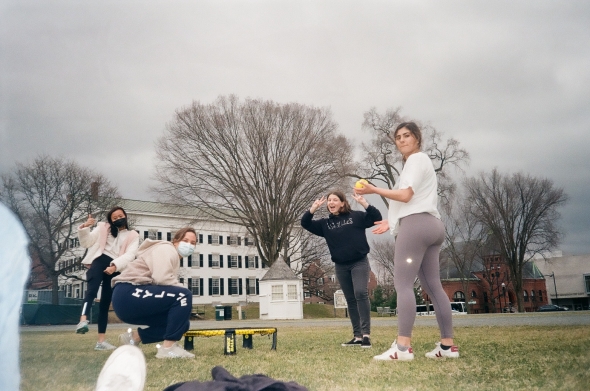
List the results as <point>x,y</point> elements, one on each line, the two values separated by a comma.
<point>111,246</point>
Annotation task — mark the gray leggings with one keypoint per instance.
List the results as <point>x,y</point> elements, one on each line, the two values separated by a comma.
<point>417,248</point>
<point>354,281</point>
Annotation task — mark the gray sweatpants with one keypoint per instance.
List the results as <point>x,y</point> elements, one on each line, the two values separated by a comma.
<point>417,249</point>
<point>354,281</point>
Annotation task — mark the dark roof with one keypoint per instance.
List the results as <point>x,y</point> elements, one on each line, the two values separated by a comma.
<point>279,271</point>
<point>196,213</point>
<point>448,269</point>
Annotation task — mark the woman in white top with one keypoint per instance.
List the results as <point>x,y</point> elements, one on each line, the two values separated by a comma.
<point>415,221</point>
<point>111,246</point>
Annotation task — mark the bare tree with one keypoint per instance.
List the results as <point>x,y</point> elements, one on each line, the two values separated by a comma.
<point>50,196</point>
<point>256,163</point>
<point>465,237</point>
<point>383,163</point>
<point>521,213</point>
<point>382,252</point>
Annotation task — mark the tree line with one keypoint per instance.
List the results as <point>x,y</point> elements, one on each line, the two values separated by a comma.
<point>260,164</point>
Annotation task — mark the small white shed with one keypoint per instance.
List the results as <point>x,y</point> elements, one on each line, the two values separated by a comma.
<point>281,293</point>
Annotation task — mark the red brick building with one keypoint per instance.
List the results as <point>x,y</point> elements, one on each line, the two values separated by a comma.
<point>489,287</point>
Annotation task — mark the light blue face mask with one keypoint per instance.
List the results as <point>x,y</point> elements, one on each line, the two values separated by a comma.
<point>185,249</point>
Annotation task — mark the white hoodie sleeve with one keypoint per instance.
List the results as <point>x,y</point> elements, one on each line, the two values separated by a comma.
<point>87,238</point>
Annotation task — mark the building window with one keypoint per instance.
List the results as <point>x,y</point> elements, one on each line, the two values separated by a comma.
<point>233,286</point>
<point>251,285</point>
<point>532,295</point>
<point>215,239</point>
<point>540,295</point>
<point>194,263</point>
<point>587,283</point>
<point>234,240</point>
<point>215,286</point>
<point>196,286</point>
<point>251,264</point>
<point>249,242</point>
<point>459,296</point>
<point>320,281</point>
<point>526,296</point>
<point>473,294</point>
<point>306,294</point>
<point>214,260</point>
<point>233,261</point>
<point>292,292</point>
<point>277,292</point>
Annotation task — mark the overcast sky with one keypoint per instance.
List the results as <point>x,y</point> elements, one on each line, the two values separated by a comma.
<point>98,81</point>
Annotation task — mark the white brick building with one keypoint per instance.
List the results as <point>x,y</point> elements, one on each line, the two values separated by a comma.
<point>225,267</point>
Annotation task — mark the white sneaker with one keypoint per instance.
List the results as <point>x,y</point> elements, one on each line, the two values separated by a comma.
<point>123,371</point>
<point>394,354</point>
<point>104,346</point>
<point>438,352</point>
<point>82,327</point>
<point>173,351</point>
<point>127,339</point>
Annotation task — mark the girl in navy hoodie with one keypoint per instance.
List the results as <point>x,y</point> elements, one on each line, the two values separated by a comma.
<point>344,231</point>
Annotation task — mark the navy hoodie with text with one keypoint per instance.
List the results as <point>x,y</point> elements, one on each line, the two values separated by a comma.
<point>344,232</point>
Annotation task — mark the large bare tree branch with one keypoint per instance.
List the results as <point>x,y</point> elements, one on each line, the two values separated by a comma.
<point>256,163</point>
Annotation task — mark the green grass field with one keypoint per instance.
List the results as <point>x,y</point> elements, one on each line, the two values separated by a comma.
<point>492,358</point>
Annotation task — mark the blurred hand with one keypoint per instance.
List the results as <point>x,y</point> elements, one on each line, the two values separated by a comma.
<point>368,189</point>
<point>110,270</point>
<point>316,204</point>
<point>90,222</point>
<point>381,227</point>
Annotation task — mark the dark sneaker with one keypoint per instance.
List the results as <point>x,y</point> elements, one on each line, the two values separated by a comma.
<point>353,342</point>
<point>366,342</point>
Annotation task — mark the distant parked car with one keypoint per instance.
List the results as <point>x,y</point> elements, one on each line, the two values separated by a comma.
<point>551,307</point>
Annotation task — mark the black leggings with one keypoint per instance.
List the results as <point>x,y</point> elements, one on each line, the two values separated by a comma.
<point>95,276</point>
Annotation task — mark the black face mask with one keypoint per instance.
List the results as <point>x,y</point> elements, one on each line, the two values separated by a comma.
<point>120,223</point>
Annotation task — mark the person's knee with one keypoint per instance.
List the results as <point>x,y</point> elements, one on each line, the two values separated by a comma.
<point>361,295</point>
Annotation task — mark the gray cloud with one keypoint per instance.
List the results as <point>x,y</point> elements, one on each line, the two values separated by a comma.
<point>98,82</point>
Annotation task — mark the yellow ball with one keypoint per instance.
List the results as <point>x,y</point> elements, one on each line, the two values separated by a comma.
<point>360,184</point>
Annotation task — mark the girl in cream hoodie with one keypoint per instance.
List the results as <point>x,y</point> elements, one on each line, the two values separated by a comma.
<point>148,293</point>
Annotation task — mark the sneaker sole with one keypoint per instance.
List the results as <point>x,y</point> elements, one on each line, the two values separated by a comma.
<point>366,347</point>
<point>82,331</point>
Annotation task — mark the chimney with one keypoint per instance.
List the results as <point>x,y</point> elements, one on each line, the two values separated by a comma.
<point>94,191</point>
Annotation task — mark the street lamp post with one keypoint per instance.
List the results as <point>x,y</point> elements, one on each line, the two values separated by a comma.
<point>504,295</point>
<point>552,275</point>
